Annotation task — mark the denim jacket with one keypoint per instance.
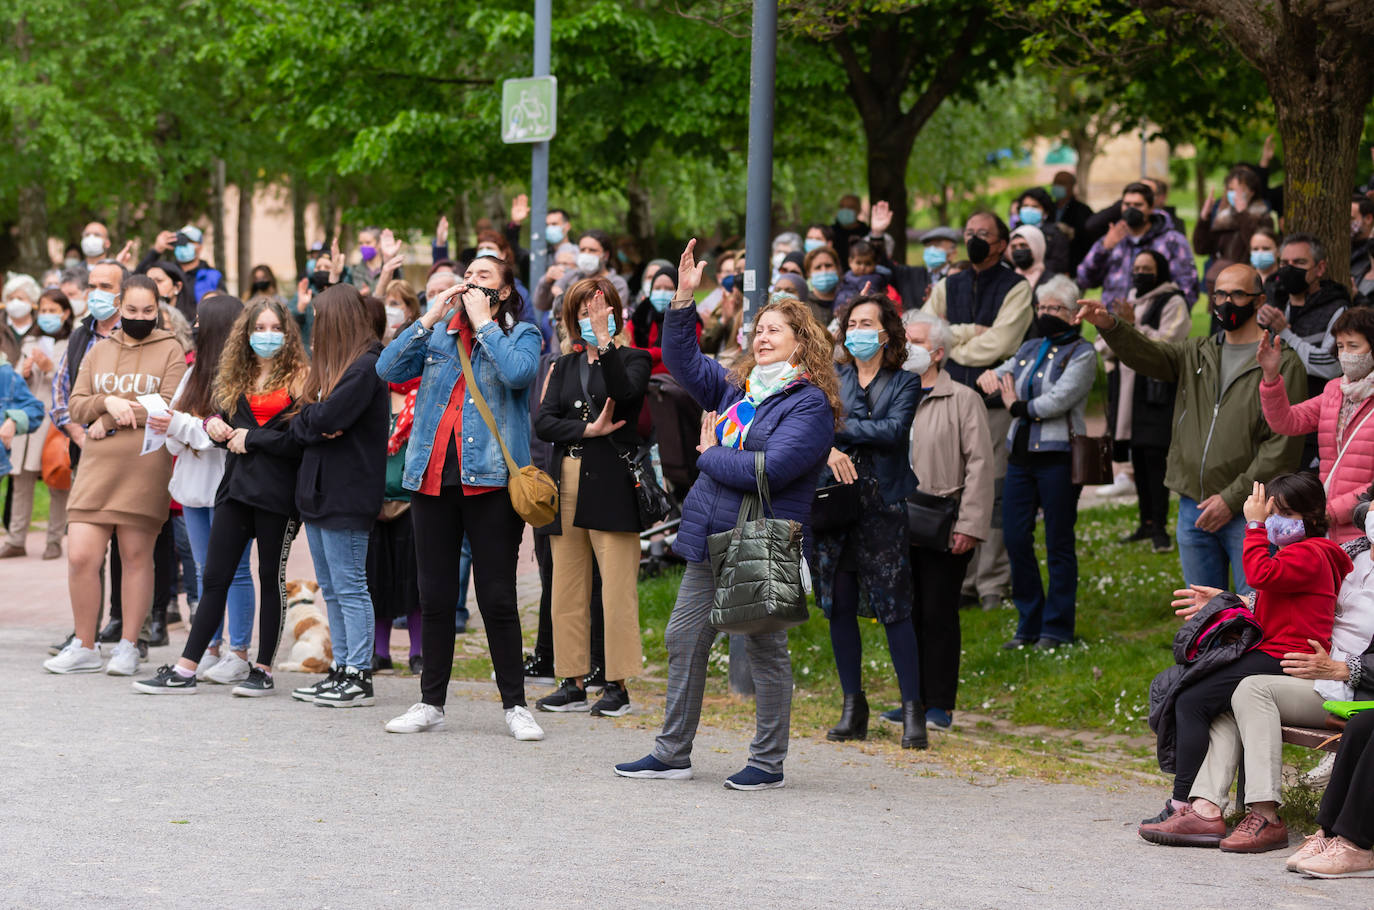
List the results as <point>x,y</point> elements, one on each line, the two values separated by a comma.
<point>17,403</point>
<point>504,365</point>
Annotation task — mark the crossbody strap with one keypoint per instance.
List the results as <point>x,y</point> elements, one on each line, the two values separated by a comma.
<point>1341,454</point>
<point>481,403</point>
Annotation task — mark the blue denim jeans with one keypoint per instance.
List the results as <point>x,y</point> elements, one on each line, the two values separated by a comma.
<point>340,558</point>
<point>1207,555</point>
<point>242,602</point>
<point>1047,486</point>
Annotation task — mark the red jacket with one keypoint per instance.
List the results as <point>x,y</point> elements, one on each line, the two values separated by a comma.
<point>1297,589</point>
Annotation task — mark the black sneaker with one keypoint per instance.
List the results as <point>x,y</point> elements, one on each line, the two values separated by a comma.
<point>539,670</point>
<point>417,664</point>
<point>1144,532</point>
<point>61,646</point>
<point>173,616</point>
<point>167,682</point>
<point>258,684</point>
<point>353,690</point>
<point>595,679</point>
<point>310,692</point>
<point>1163,543</point>
<point>614,701</point>
<point>568,697</point>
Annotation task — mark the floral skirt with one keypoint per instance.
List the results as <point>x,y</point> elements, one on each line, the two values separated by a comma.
<point>877,548</point>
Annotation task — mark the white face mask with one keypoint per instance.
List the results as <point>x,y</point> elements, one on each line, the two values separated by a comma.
<point>917,359</point>
<point>1357,366</point>
<point>588,263</point>
<point>18,309</point>
<point>78,307</point>
<point>92,245</point>
<point>395,315</point>
<point>1369,524</point>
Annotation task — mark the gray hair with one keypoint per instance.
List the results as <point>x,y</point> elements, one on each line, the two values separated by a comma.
<point>18,283</point>
<point>77,275</point>
<point>788,238</point>
<point>438,283</point>
<point>123,272</point>
<point>1060,289</point>
<point>940,336</point>
<point>1313,244</point>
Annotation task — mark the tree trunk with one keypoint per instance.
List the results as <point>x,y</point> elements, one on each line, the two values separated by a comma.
<point>245,234</point>
<point>1199,181</point>
<point>888,154</point>
<point>217,211</point>
<point>31,229</point>
<point>942,205</point>
<point>639,220</point>
<point>299,199</point>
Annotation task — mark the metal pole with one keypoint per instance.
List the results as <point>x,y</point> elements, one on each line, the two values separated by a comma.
<point>539,152</point>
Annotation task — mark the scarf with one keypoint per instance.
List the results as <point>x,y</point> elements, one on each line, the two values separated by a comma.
<point>732,427</point>
<point>405,420</point>
<point>1353,394</point>
<point>1061,339</point>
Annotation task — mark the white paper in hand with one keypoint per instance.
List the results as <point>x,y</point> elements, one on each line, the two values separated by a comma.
<point>155,407</point>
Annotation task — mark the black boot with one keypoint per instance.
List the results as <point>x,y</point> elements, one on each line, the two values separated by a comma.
<point>112,631</point>
<point>157,632</point>
<point>914,734</point>
<point>853,720</point>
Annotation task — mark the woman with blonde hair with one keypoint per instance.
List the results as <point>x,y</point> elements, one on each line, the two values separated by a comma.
<point>781,398</point>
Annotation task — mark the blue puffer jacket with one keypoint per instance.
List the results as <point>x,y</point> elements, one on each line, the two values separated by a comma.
<point>17,403</point>
<point>882,435</point>
<point>794,428</point>
<point>504,365</point>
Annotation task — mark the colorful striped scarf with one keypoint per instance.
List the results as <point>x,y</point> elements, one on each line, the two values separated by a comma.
<point>732,427</point>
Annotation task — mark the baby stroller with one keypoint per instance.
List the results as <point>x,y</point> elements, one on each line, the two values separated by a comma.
<point>677,428</point>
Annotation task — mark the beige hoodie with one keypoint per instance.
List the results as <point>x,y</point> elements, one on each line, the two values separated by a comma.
<point>112,475</point>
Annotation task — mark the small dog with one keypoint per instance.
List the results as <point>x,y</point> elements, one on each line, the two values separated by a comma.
<point>311,650</point>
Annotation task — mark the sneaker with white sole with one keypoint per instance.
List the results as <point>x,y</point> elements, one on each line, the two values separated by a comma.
<point>207,661</point>
<point>229,670</point>
<point>311,692</point>
<point>751,778</point>
<point>522,726</point>
<point>258,684</point>
<point>1320,776</point>
<point>167,682</point>
<point>353,690</point>
<point>418,719</point>
<point>123,659</point>
<point>650,768</point>
<point>74,658</point>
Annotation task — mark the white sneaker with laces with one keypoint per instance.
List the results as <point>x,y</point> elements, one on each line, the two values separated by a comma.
<point>229,670</point>
<point>522,725</point>
<point>418,719</point>
<point>1320,776</point>
<point>74,659</point>
<point>207,661</point>
<point>123,659</point>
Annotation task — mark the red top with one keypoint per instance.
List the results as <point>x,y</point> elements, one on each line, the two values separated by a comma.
<point>451,427</point>
<point>269,405</point>
<point>1297,589</point>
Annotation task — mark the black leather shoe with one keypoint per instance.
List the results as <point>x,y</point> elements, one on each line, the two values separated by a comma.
<point>111,633</point>
<point>914,734</point>
<point>157,633</point>
<point>853,720</point>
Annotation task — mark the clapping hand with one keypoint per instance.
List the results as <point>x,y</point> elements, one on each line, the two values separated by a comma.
<point>605,423</point>
<point>1256,508</point>
<point>708,429</point>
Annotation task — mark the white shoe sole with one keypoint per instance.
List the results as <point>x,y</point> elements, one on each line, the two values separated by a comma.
<point>251,693</point>
<point>355,703</point>
<point>1363,873</point>
<point>112,670</point>
<point>528,737</point>
<point>162,690</point>
<point>393,727</point>
<point>308,698</point>
<point>775,785</point>
<point>564,709</point>
<point>670,774</point>
<point>619,712</point>
<point>69,670</point>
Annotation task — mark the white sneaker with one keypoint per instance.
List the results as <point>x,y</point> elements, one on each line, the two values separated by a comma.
<point>1122,485</point>
<point>1320,776</point>
<point>418,719</point>
<point>123,659</point>
<point>207,661</point>
<point>229,670</point>
<point>74,659</point>
<point>522,725</point>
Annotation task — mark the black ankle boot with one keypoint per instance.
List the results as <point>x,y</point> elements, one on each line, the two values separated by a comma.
<point>157,632</point>
<point>112,631</point>
<point>853,720</point>
<point>914,734</point>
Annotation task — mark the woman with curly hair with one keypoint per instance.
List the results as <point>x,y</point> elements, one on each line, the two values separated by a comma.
<point>781,398</point>
<point>262,370</point>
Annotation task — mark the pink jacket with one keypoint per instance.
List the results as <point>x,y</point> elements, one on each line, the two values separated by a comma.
<point>1320,413</point>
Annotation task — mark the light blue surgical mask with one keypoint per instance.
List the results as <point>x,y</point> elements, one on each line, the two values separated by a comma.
<point>584,326</point>
<point>1284,530</point>
<point>810,243</point>
<point>1031,216</point>
<point>1262,259</point>
<point>266,344</point>
<point>1231,198</point>
<point>553,233</point>
<point>824,282</point>
<point>846,216</point>
<point>101,304</point>
<point>309,266</point>
<point>863,343</point>
<point>934,256</point>
<point>660,298</point>
<point>1058,193</point>
<point>184,252</point>
<point>50,323</point>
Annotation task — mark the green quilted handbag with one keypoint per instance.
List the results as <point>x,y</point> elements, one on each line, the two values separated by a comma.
<point>757,566</point>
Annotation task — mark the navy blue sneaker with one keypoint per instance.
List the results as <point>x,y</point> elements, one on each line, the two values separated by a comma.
<point>650,767</point>
<point>752,778</point>
<point>939,719</point>
<point>893,717</point>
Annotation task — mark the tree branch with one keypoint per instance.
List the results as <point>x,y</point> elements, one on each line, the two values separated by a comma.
<point>860,85</point>
<point>946,79</point>
<point>421,77</point>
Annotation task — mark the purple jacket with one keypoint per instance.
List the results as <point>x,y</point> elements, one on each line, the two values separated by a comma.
<point>1111,269</point>
<point>795,428</point>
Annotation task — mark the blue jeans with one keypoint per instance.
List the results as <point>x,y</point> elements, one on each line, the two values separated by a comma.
<point>464,576</point>
<point>242,602</point>
<point>340,558</point>
<point>1206,555</point>
<point>1028,488</point>
<point>190,579</point>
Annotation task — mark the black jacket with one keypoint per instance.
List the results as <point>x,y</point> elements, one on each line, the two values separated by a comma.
<point>1202,644</point>
<point>341,481</point>
<point>605,494</point>
<point>1073,222</point>
<point>879,435</point>
<point>265,476</point>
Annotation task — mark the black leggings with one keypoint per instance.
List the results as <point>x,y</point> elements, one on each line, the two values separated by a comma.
<point>1151,494</point>
<point>1202,701</point>
<point>1347,807</point>
<point>235,525</point>
<point>440,522</point>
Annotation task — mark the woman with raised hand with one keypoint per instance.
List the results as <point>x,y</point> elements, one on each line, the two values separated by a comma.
<point>258,373</point>
<point>782,399</point>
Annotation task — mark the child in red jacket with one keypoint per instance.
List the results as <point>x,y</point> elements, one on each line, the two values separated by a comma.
<point>1295,603</point>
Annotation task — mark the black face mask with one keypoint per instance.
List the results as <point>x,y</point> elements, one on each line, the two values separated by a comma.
<point>1232,316</point>
<point>1292,279</point>
<point>260,287</point>
<point>138,329</point>
<point>1133,217</point>
<point>319,280</point>
<point>978,249</point>
<point>1022,258</point>
<point>1144,282</point>
<point>1051,326</point>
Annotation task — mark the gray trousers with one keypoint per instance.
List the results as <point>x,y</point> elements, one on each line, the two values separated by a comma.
<point>689,637</point>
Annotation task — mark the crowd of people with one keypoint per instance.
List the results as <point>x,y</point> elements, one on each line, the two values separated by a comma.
<point>935,406</point>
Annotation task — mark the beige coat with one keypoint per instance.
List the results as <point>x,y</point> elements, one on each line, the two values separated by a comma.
<point>951,452</point>
<point>27,453</point>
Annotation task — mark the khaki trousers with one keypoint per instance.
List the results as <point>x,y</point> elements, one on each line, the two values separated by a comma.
<point>617,556</point>
<point>1251,732</point>
<point>21,509</point>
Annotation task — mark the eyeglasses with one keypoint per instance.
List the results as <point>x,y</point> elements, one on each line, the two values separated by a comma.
<point>1051,308</point>
<point>1221,296</point>
<point>984,233</point>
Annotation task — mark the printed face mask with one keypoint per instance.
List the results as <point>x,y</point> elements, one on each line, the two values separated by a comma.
<point>1283,530</point>
<point>1357,366</point>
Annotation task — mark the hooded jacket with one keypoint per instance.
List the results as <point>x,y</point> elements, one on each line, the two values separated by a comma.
<point>1297,590</point>
<point>1110,269</point>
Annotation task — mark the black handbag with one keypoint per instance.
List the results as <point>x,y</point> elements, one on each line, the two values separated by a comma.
<point>835,507</point>
<point>930,519</point>
<point>653,503</point>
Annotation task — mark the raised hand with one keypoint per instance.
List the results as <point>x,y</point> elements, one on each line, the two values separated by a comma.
<point>881,217</point>
<point>441,231</point>
<point>1209,204</point>
<point>126,255</point>
<point>336,262</point>
<point>1268,355</point>
<point>1256,507</point>
<point>1115,234</point>
<point>388,244</point>
<point>688,274</point>
<point>1267,152</point>
<point>598,312</point>
<point>165,241</point>
<point>1094,312</point>
<point>303,294</point>
<point>393,265</point>
<point>520,209</point>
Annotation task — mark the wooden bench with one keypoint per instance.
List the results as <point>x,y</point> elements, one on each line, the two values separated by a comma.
<point>1327,739</point>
